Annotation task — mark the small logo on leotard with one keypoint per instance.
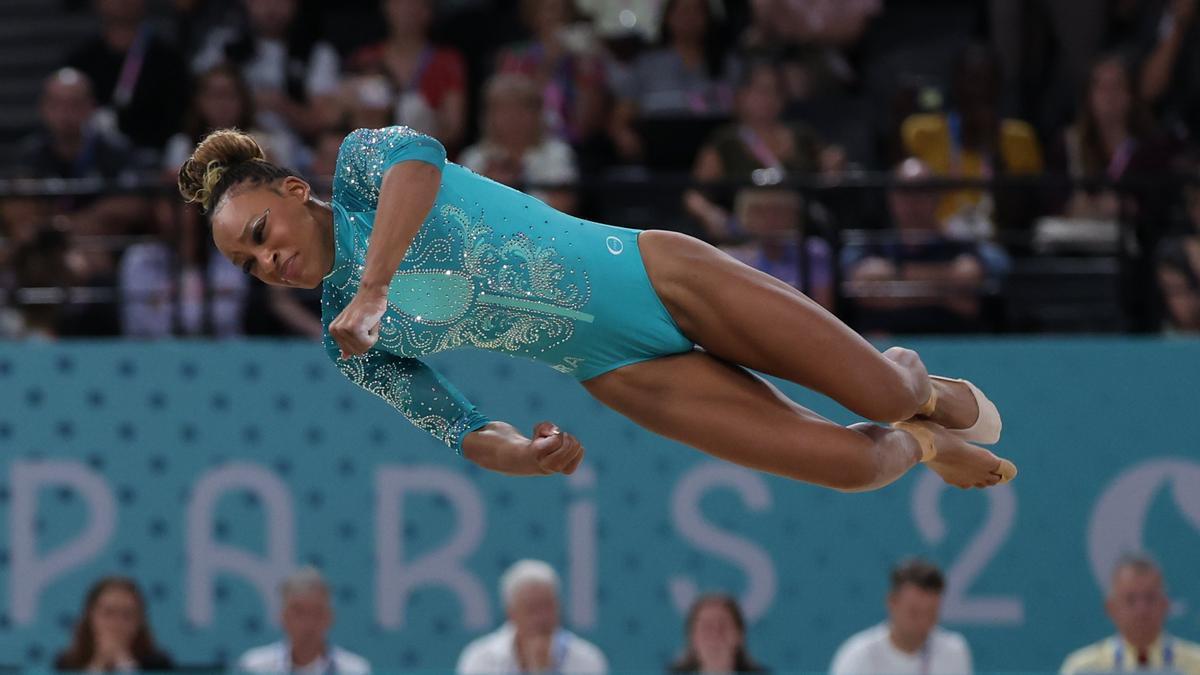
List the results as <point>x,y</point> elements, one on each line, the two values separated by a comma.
<point>615,246</point>
<point>569,364</point>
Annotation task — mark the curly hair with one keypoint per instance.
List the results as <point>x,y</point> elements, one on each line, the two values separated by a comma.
<point>224,159</point>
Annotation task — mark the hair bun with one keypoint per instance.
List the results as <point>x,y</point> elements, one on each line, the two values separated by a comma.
<point>220,150</point>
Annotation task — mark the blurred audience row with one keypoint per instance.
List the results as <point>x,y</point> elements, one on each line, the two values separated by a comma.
<point>114,633</point>
<point>744,96</point>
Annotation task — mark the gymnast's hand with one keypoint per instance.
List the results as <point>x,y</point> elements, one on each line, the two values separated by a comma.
<point>500,447</point>
<point>554,450</point>
<point>356,328</point>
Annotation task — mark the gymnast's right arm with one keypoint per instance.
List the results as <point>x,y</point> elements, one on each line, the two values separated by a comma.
<point>431,403</point>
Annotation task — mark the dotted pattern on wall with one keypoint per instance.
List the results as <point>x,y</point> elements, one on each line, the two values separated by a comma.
<point>151,420</point>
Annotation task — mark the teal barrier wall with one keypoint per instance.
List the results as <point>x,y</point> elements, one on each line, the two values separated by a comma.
<point>207,471</point>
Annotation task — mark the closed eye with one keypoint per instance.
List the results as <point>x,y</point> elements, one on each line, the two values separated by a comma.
<point>258,236</point>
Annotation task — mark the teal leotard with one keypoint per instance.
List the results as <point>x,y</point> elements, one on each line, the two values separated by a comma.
<point>491,268</point>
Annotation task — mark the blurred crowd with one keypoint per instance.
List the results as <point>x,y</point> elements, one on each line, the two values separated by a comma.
<point>113,632</point>
<point>768,106</point>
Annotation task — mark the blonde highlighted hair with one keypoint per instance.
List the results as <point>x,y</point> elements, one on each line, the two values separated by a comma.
<point>224,159</point>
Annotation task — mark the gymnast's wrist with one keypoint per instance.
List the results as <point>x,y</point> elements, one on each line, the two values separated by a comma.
<point>497,446</point>
<point>370,288</point>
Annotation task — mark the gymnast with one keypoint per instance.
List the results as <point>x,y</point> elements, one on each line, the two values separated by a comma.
<point>419,255</point>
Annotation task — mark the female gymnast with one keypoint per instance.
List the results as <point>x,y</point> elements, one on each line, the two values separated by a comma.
<point>419,255</point>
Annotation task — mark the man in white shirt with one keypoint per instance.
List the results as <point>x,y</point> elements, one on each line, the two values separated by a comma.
<point>306,619</point>
<point>910,641</point>
<point>531,641</point>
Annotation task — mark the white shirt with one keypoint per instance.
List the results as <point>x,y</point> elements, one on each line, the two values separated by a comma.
<point>495,653</point>
<point>872,651</point>
<point>550,162</point>
<point>276,658</point>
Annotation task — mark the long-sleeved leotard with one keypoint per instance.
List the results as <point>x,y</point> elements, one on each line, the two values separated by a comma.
<point>490,268</point>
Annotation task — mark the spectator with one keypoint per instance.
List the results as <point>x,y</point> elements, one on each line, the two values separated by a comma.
<point>972,141</point>
<point>1112,136</point>
<point>113,633</point>
<point>136,76</point>
<point>1178,269</point>
<point>688,74</point>
<point>306,619</point>
<point>771,223</point>
<point>532,640</point>
<point>757,146</point>
<point>910,641</point>
<point>515,148</point>
<point>1179,283</point>
<point>1137,604</point>
<point>294,75</point>
<point>563,62</point>
<point>430,80</point>
<point>68,145</point>
<point>716,639</point>
<point>953,272</point>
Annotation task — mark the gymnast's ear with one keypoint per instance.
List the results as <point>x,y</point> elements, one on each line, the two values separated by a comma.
<point>296,186</point>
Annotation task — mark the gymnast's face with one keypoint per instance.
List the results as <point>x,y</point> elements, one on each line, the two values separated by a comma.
<point>275,232</point>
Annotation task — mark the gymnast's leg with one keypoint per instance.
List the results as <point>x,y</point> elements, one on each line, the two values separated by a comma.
<point>728,412</point>
<point>742,315</point>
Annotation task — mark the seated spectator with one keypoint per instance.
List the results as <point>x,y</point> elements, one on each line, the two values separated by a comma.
<point>716,639</point>
<point>113,633</point>
<point>1111,137</point>
<point>136,76</point>
<point>758,146</point>
<point>515,148</point>
<point>952,273</point>
<point>306,619</point>
<point>1137,604</point>
<point>689,74</point>
<point>910,641</point>
<point>429,81</point>
<point>972,141</point>
<point>70,146</point>
<point>294,76</point>
<point>531,640</point>
<point>566,67</point>
<point>1178,270</point>
<point>771,224</point>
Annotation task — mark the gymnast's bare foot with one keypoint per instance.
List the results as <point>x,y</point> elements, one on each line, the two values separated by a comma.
<point>958,463</point>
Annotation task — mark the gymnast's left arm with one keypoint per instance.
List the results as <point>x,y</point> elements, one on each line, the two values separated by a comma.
<point>407,192</point>
<point>431,403</point>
